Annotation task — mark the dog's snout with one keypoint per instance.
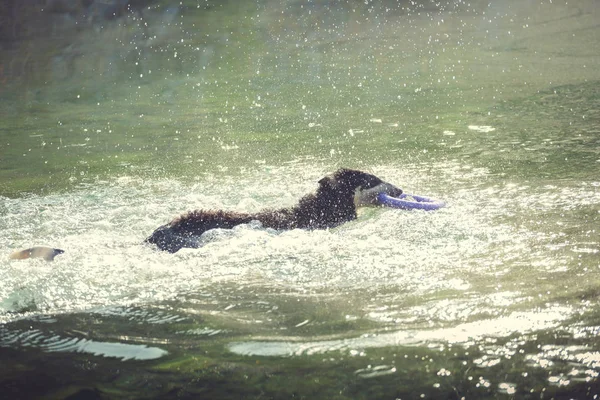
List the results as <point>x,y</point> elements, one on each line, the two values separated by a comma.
<point>392,190</point>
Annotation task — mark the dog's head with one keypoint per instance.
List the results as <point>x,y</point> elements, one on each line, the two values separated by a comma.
<point>364,186</point>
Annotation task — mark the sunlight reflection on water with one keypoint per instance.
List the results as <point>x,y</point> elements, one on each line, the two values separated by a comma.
<point>461,334</point>
<point>58,343</point>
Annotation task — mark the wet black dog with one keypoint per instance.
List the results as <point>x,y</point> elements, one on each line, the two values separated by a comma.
<point>334,203</point>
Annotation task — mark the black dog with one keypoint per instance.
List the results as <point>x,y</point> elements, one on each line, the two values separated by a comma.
<point>334,203</point>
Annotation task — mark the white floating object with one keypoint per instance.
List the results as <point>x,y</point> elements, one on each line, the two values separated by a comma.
<point>481,128</point>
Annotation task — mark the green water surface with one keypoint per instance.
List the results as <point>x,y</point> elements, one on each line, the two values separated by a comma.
<point>493,106</point>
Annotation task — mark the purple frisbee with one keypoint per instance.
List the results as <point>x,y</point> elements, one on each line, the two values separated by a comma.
<point>419,202</point>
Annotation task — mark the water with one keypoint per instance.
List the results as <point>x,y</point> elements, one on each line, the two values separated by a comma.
<point>492,108</point>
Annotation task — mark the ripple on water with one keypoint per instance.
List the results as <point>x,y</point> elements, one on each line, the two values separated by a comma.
<point>59,343</point>
<point>375,371</point>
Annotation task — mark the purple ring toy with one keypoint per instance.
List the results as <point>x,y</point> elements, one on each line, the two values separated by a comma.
<point>419,203</point>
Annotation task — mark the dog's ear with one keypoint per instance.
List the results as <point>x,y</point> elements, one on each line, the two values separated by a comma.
<point>326,182</point>
<point>343,173</point>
